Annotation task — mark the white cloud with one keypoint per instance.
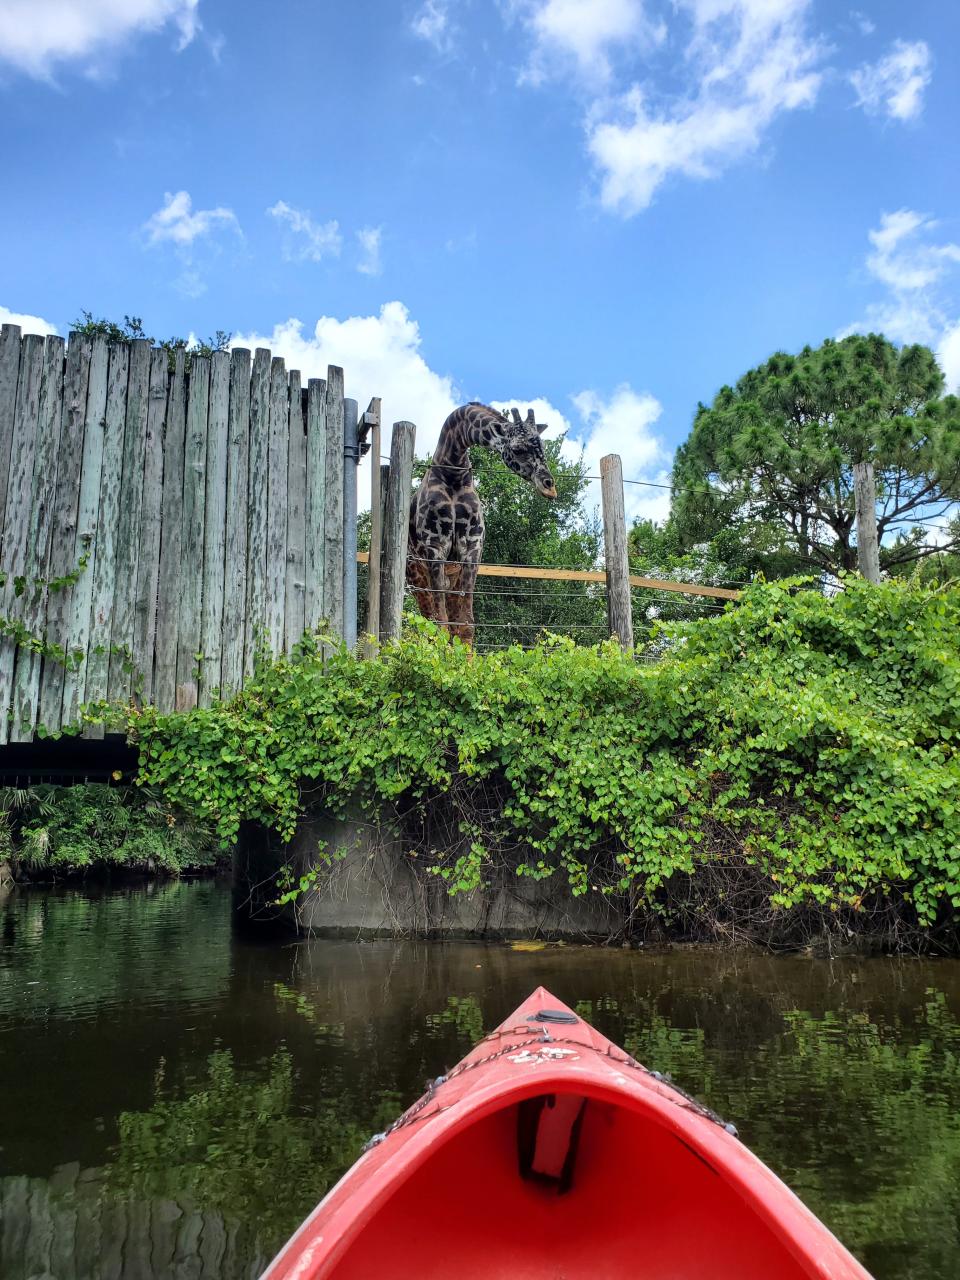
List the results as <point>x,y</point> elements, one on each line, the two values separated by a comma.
<point>179,223</point>
<point>28,324</point>
<point>902,259</point>
<point>894,86</point>
<point>751,61</point>
<point>431,22</point>
<point>569,33</point>
<point>370,239</point>
<point>620,423</point>
<point>36,35</point>
<point>380,356</point>
<point>915,268</point>
<point>623,423</point>
<point>307,241</point>
<point>865,25</point>
<point>948,353</point>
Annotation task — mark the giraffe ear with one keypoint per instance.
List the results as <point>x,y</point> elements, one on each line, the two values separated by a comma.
<point>541,427</point>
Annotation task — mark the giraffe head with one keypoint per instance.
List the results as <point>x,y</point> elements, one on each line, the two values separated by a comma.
<point>522,450</point>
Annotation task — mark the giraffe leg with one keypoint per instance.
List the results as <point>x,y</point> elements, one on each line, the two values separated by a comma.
<point>460,603</point>
<point>419,582</point>
<point>428,583</point>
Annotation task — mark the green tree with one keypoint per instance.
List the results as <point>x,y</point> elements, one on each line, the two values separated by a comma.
<point>769,463</point>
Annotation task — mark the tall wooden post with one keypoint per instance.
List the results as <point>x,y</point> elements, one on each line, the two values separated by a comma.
<point>619,613</point>
<point>351,457</point>
<point>865,497</point>
<point>395,529</point>
<point>376,523</point>
<point>333,502</point>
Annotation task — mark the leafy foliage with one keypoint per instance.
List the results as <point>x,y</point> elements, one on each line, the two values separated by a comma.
<point>62,830</point>
<point>132,329</point>
<point>236,1142</point>
<point>770,461</point>
<point>796,754</point>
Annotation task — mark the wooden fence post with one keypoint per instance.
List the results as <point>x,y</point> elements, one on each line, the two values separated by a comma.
<point>396,516</point>
<point>351,457</point>
<point>376,526</point>
<point>316,506</point>
<point>619,612</point>
<point>333,503</point>
<point>295,612</point>
<point>865,497</point>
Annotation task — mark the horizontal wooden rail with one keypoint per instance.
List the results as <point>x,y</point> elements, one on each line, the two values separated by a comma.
<point>593,575</point>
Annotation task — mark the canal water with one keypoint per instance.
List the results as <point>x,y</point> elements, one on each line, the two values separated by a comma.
<point>174,1100</point>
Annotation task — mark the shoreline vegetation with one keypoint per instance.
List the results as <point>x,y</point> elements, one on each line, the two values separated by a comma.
<point>786,773</point>
<point>781,772</point>
<point>67,833</point>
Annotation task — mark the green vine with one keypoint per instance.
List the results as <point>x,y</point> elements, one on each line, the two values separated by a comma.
<point>21,635</point>
<point>796,758</point>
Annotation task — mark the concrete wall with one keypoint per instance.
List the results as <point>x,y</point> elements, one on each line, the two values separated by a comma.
<point>374,889</point>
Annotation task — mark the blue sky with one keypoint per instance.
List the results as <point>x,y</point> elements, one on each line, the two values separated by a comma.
<point>608,208</point>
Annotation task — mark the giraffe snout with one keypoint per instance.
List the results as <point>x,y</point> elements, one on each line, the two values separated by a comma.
<point>546,487</point>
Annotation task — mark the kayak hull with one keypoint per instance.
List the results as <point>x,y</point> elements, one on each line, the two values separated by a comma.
<point>548,1152</point>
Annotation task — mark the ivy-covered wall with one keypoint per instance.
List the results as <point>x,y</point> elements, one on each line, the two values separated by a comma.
<point>788,767</point>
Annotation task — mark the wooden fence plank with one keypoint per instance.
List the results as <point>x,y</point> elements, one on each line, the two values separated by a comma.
<point>396,520</point>
<point>171,541</point>
<point>235,569</point>
<point>120,675</point>
<point>214,526</point>
<point>257,508</point>
<point>194,497</point>
<point>351,457</point>
<point>63,541</point>
<point>315,511</point>
<point>148,562</point>
<point>108,520</point>
<point>9,372</point>
<point>296,517</point>
<point>333,503</point>
<point>87,518</point>
<point>619,609</point>
<point>18,510</point>
<point>372,624</point>
<point>590,575</point>
<point>26,687</point>
<point>277,504</point>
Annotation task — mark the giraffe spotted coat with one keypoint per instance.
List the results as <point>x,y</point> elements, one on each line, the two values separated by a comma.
<point>446,518</point>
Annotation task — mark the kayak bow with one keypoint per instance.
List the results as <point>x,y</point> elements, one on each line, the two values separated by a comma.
<point>550,1154</point>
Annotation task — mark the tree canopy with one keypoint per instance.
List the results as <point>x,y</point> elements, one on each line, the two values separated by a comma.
<point>769,464</point>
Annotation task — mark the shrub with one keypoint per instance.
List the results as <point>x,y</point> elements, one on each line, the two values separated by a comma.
<point>795,753</point>
<point>64,830</point>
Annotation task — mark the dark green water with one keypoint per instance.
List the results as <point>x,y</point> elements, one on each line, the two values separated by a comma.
<point>173,1101</point>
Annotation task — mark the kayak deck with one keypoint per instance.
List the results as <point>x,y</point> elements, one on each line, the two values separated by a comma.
<point>550,1154</point>
<point>640,1204</point>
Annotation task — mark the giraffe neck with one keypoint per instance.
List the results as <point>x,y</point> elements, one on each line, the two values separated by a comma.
<point>471,424</point>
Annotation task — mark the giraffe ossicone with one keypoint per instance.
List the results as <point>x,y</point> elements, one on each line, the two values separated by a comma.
<point>446,517</point>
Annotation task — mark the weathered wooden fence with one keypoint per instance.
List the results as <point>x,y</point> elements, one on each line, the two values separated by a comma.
<point>162,518</point>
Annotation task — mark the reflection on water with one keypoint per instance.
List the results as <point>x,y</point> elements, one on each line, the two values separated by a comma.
<point>174,1100</point>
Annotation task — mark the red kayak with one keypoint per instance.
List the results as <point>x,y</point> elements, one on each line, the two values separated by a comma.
<point>550,1154</point>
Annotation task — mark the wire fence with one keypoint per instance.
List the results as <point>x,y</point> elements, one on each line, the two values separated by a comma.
<point>520,612</point>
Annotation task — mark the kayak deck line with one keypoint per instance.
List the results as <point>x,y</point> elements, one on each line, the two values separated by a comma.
<point>611,1053</point>
<point>534,1159</point>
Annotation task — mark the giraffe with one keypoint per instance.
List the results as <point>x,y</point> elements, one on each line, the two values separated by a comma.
<point>446,518</point>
